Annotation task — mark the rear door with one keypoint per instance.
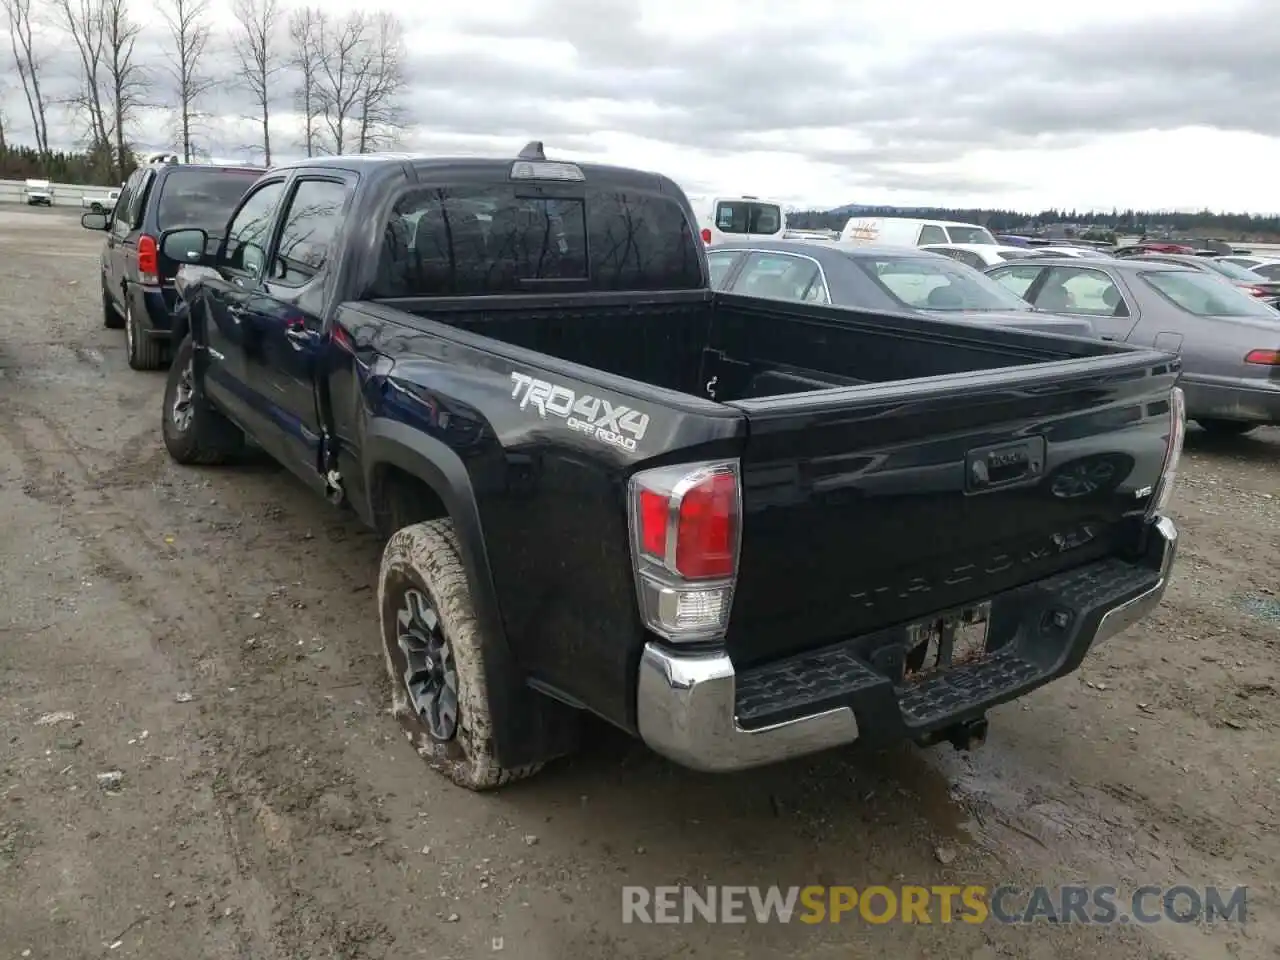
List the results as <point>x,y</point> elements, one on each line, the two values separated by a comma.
<point>862,510</point>
<point>118,231</point>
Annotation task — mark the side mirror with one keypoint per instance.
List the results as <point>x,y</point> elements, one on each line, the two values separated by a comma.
<point>185,245</point>
<point>94,221</point>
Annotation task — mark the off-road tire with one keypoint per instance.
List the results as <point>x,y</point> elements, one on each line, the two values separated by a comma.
<point>1226,428</point>
<point>111,318</point>
<point>209,437</point>
<point>425,557</point>
<point>143,352</point>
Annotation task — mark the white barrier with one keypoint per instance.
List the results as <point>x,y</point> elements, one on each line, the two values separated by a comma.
<point>64,194</point>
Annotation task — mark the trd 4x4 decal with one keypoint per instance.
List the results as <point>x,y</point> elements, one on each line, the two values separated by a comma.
<point>610,423</point>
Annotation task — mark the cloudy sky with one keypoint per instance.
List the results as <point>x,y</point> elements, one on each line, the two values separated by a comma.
<point>1086,103</point>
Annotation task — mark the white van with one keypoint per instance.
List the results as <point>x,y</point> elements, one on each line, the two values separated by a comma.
<point>741,218</point>
<point>903,232</point>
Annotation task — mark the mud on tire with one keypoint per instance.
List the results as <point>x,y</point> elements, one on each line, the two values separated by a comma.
<point>203,437</point>
<point>422,560</point>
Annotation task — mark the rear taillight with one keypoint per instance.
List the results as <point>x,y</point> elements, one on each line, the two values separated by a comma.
<point>1268,358</point>
<point>706,235</point>
<point>148,260</point>
<point>1172,453</point>
<point>1255,291</point>
<point>686,523</point>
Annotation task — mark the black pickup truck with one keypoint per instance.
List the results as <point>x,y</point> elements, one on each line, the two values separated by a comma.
<point>740,529</point>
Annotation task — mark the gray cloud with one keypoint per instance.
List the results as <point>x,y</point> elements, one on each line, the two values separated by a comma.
<point>1006,89</point>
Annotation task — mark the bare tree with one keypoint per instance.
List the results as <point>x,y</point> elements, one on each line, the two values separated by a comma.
<point>126,78</point>
<point>380,116</point>
<point>85,23</point>
<point>190,32</point>
<point>28,63</point>
<point>343,61</point>
<point>257,47</point>
<point>305,27</point>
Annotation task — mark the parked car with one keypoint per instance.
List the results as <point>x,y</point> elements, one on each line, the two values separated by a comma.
<point>38,193</point>
<point>137,278</point>
<point>1246,280</point>
<point>1266,267</point>
<point>882,279</point>
<point>100,202</point>
<point>907,232</point>
<point>740,530</point>
<point>1152,246</point>
<point>1228,340</point>
<point>1064,250</point>
<point>982,255</point>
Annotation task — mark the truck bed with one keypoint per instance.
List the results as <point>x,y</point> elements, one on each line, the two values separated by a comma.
<point>729,348</point>
<point>857,435</point>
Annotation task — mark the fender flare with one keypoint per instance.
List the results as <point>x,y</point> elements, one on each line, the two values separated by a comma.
<point>392,443</point>
<point>523,730</point>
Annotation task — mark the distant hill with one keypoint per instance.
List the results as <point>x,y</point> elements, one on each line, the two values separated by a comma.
<point>1206,223</point>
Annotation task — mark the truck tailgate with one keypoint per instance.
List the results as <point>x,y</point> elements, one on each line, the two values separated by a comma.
<point>874,506</point>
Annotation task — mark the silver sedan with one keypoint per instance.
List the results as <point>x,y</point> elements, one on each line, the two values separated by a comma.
<point>1229,340</point>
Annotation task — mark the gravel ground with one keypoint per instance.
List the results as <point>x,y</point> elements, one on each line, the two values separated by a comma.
<point>207,639</point>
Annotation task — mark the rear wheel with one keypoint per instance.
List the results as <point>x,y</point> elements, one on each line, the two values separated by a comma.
<point>435,656</point>
<point>144,353</point>
<point>194,432</point>
<point>1227,428</point>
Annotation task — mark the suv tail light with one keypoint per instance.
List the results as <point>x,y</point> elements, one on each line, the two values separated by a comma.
<point>706,235</point>
<point>686,524</point>
<point>1172,453</point>
<point>1267,358</point>
<point>148,260</point>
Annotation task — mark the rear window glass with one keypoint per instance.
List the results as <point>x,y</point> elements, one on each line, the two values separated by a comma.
<point>744,216</point>
<point>192,197</point>
<point>1207,296</point>
<point>487,239</point>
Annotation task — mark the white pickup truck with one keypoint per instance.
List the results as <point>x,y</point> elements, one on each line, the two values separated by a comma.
<point>38,192</point>
<point>100,203</point>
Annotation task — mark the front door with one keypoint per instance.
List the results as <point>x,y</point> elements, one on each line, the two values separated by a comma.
<point>284,355</point>
<point>231,295</point>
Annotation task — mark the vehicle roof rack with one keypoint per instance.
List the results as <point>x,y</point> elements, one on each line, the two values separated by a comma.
<point>532,151</point>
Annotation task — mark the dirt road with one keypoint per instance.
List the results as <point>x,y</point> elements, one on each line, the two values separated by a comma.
<point>207,640</point>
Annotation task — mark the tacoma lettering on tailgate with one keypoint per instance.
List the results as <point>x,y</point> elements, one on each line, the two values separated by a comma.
<point>610,423</point>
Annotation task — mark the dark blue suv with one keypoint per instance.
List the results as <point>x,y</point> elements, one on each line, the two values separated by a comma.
<point>137,279</point>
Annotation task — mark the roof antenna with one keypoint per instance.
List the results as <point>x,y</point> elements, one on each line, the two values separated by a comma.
<point>532,151</point>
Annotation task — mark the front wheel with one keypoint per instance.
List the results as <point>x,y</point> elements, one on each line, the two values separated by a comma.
<point>194,432</point>
<point>435,656</point>
<point>1227,428</point>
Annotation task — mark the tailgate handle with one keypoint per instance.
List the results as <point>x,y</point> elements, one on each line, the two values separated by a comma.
<point>990,468</point>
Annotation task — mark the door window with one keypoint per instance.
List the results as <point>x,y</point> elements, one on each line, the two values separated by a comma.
<point>721,263</point>
<point>778,276</point>
<point>310,225</point>
<point>245,250</point>
<point>120,215</point>
<point>1078,290</point>
<point>931,234</point>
